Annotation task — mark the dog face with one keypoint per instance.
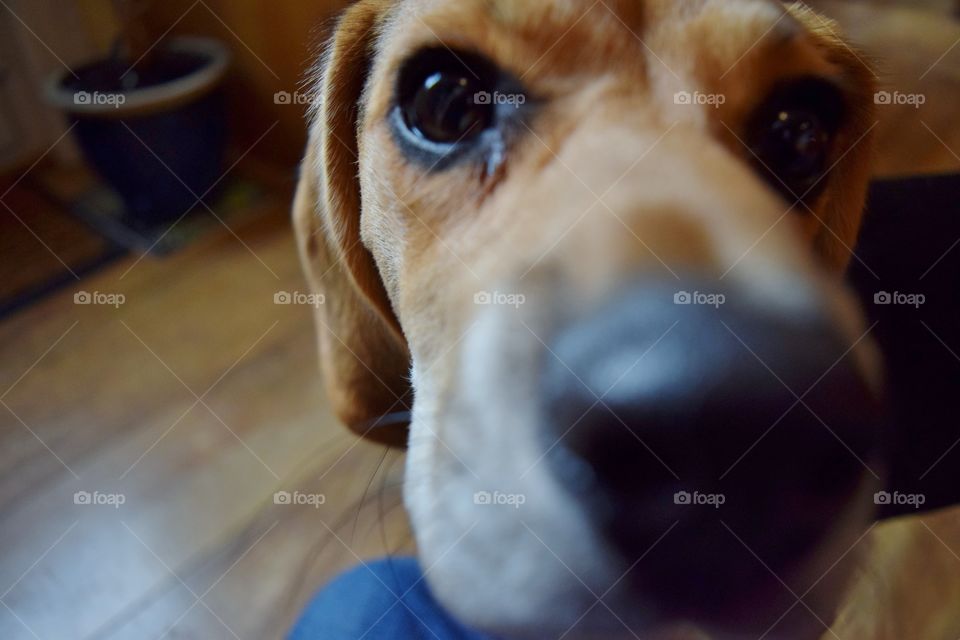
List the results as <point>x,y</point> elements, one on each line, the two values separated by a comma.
<point>601,243</point>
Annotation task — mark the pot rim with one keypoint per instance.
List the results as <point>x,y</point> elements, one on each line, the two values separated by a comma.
<point>148,99</point>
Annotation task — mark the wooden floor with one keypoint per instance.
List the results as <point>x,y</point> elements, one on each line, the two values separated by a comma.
<point>198,398</point>
<point>195,400</point>
<point>27,265</point>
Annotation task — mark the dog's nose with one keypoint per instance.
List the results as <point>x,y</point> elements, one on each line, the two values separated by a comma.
<point>747,429</point>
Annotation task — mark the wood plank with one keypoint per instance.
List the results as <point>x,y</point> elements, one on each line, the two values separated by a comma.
<point>203,488</point>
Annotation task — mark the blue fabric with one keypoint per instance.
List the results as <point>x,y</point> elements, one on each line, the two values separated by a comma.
<point>382,600</point>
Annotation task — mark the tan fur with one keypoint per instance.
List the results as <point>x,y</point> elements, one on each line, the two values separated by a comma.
<point>399,254</point>
<point>365,360</point>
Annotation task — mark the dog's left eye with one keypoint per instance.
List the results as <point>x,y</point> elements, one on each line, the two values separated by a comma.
<point>792,136</point>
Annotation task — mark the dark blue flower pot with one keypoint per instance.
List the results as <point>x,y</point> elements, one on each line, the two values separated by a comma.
<point>156,136</point>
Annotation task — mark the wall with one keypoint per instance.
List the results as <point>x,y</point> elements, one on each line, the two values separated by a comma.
<point>274,42</point>
<point>38,38</point>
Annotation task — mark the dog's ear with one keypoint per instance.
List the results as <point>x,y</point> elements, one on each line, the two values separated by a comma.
<point>842,210</point>
<point>363,353</point>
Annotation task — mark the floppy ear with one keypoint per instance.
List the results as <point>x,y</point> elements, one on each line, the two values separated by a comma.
<point>845,196</point>
<point>363,353</point>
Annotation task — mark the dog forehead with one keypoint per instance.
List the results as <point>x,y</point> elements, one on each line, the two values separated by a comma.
<point>631,14</point>
<point>577,33</point>
<point>563,12</point>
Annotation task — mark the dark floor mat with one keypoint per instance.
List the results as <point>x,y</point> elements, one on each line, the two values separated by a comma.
<point>59,225</point>
<point>43,246</point>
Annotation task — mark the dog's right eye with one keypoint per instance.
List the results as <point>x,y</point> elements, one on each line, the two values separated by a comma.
<point>442,106</point>
<point>445,102</point>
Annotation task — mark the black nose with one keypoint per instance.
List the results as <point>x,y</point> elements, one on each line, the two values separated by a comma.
<point>745,428</point>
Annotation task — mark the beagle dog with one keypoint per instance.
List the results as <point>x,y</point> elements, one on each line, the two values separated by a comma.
<point>584,259</point>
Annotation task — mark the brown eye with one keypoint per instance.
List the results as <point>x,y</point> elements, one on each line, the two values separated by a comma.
<point>792,137</point>
<point>795,147</point>
<point>444,108</point>
<point>444,98</point>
